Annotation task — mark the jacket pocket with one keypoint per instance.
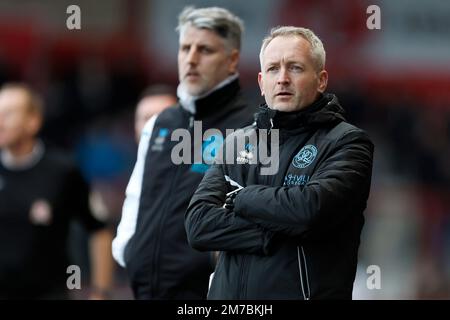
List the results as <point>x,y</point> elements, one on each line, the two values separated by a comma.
<point>303,273</point>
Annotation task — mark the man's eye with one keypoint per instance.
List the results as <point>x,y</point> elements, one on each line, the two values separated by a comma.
<point>185,48</point>
<point>272,68</point>
<point>296,68</point>
<point>206,50</point>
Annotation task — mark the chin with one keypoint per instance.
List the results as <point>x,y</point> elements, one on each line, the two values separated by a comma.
<point>285,108</point>
<point>194,90</point>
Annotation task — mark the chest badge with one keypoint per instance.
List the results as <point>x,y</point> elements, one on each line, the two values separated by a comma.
<point>160,139</point>
<point>41,213</point>
<point>305,156</point>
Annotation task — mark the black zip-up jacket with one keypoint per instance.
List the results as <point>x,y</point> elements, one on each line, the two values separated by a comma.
<point>294,234</point>
<point>159,261</point>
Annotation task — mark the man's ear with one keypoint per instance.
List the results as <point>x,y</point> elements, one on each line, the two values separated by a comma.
<point>323,81</point>
<point>234,58</point>
<point>34,124</point>
<point>260,82</point>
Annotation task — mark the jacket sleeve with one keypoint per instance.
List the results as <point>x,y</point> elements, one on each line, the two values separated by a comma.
<point>127,225</point>
<point>338,188</point>
<point>210,227</point>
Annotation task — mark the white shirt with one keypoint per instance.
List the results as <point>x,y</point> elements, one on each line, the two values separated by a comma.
<point>127,225</point>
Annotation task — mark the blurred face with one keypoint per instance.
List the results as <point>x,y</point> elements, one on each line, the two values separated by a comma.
<point>203,60</point>
<point>289,79</point>
<point>17,123</point>
<point>148,107</point>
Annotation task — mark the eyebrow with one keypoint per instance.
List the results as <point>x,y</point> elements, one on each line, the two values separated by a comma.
<point>199,45</point>
<point>288,62</point>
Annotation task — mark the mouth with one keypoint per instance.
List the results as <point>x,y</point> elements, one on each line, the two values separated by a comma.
<point>284,94</point>
<point>192,74</point>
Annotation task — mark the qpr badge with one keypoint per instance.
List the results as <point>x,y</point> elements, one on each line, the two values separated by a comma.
<point>305,156</point>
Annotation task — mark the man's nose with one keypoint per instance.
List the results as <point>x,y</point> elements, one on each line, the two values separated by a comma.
<point>192,57</point>
<point>283,76</point>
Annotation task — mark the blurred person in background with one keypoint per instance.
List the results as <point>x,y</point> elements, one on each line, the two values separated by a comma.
<point>293,234</point>
<point>40,193</point>
<point>151,241</point>
<point>155,99</point>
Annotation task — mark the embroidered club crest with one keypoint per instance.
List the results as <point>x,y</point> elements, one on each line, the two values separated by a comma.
<point>305,156</point>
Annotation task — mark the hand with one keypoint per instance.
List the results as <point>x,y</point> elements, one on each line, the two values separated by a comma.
<point>229,201</point>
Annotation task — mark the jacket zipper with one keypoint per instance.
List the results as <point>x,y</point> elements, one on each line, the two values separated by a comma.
<point>271,126</point>
<point>302,262</point>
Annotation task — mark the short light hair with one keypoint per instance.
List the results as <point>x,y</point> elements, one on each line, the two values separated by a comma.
<point>35,103</point>
<point>219,20</point>
<point>317,49</point>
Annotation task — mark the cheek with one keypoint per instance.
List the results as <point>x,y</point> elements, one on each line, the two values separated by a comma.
<point>11,124</point>
<point>19,125</point>
<point>10,132</point>
<point>181,59</point>
<point>213,70</point>
<point>221,64</point>
<point>217,66</point>
<point>268,87</point>
<point>268,83</point>
<point>307,86</point>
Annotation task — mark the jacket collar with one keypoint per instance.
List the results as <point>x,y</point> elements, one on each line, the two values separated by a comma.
<point>26,162</point>
<point>213,101</point>
<point>325,110</point>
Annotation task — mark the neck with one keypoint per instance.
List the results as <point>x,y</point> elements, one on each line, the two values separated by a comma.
<point>188,101</point>
<point>22,149</point>
<point>23,155</point>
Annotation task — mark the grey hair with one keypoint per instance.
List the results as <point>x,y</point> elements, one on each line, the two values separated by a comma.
<point>225,24</point>
<point>317,49</point>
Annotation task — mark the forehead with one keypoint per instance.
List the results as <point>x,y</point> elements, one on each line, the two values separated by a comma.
<point>293,47</point>
<point>191,34</point>
<point>14,98</point>
<point>152,103</point>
